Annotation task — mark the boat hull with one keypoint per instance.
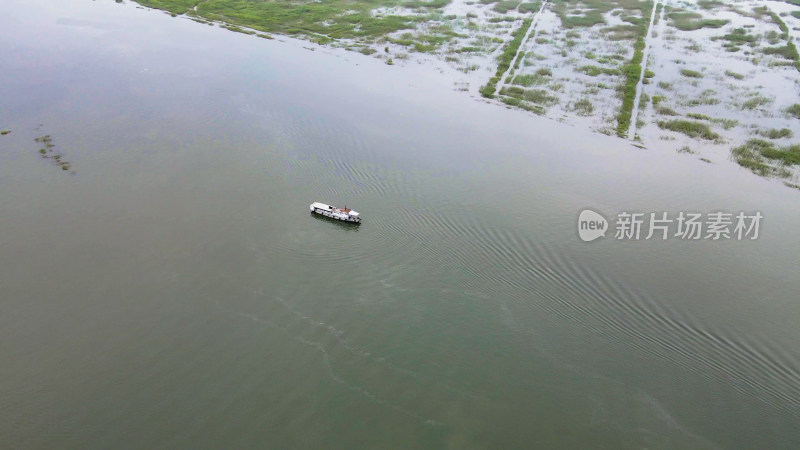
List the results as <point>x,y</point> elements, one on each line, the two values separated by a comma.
<point>335,214</point>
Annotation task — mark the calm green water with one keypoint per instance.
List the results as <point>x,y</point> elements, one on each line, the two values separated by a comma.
<point>175,291</point>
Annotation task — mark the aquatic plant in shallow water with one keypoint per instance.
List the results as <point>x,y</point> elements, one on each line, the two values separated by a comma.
<point>632,72</point>
<point>689,128</point>
<point>774,133</point>
<point>690,21</point>
<point>47,150</point>
<point>757,154</point>
<point>504,60</point>
<point>691,73</point>
<point>794,110</point>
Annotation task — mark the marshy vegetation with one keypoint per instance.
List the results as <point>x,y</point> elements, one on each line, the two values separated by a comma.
<point>632,73</point>
<point>775,133</point>
<point>691,73</point>
<point>691,21</point>
<point>504,60</point>
<point>689,128</point>
<point>583,62</point>
<point>47,152</point>
<point>764,158</point>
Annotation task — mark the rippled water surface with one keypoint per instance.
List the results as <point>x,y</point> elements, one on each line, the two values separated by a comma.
<point>175,292</point>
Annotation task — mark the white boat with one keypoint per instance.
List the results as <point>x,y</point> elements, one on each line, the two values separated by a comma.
<point>343,214</point>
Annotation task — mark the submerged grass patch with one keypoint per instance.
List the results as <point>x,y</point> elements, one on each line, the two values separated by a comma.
<point>594,71</point>
<point>529,7</point>
<point>698,116</point>
<point>542,76</point>
<point>538,96</point>
<point>756,154</point>
<point>774,133</point>
<point>734,75</point>
<point>691,73</point>
<point>583,107</point>
<point>690,21</point>
<point>505,6</point>
<point>709,4</point>
<point>518,103</point>
<point>794,110</point>
<point>738,36</point>
<point>788,51</point>
<point>755,101</point>
<point>689,128</point>
<point>47,152</point>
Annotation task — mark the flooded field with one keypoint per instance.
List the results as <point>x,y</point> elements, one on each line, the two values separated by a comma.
<point>715,79</point>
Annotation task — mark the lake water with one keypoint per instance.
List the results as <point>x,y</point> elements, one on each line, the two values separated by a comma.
<point>175,291</point>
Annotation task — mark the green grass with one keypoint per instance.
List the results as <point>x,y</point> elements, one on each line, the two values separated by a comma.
<point>538,96</point>
<point>542,76</point>
<point>622,32</point>
<point>726,123</point>
<point>794,110</point>
<point>689,128</point>
<point>4,132</point>
<point>774,133</point>
<point>505,6</point>
<point>632,72</point>
<point>583,107</point>
<point>590,12</point>
<point>755,154</point>
<point>705,98</point>
<point>691,73</point>
<point>734,75</point>
<point>529,7</point>
<point>738,36</point>
<point>470,49</point>
<point>698,116</point>
<point>512,101</point>
<point>47,141</point>
<point>788,51</point>
<point>504,60</point>
<point>332,18</point>
<point>755,101</point>
<point>594,71</point>
<point>755,166</point>
<point>589,18</point>
<point>529,80</point>
<point>776,19</point>
<point>172,6</point>
<point>710,4</point>
<point>690,21</point>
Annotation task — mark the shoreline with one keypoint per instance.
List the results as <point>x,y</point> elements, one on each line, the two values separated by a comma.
<point>576,77</point>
